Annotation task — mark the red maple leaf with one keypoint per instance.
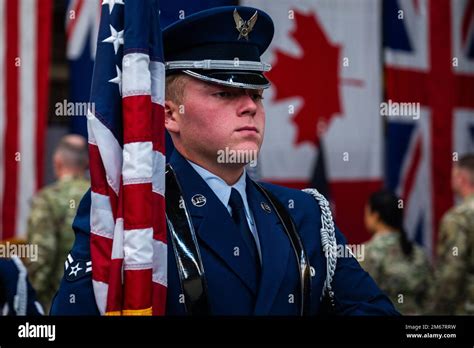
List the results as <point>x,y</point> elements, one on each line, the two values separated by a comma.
<point>314,76</point>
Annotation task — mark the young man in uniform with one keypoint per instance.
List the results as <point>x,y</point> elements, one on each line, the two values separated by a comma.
<point>255,249</point>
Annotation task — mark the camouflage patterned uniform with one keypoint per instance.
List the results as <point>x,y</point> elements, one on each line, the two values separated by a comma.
<point>49,226</point>
<point>454,290</point>
<point>404,279</point>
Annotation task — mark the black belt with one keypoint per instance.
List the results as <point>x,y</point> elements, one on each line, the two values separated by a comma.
<point>185,246</point>
<point>188,258</point>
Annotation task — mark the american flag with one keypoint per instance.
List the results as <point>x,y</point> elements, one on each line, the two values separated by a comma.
<point>429,52</point>
<point>126,147</point>
<point>25,37</point>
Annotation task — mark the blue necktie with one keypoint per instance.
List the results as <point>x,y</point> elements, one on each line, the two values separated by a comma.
<point>238,215</point>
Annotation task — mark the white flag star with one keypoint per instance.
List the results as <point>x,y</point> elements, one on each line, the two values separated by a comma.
<point>116,38</point>
<point>111,4</point>
<point>118,79</point>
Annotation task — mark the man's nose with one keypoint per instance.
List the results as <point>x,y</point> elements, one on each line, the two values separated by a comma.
<point>247,105</point>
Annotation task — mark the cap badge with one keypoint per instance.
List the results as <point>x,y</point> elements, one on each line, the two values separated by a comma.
<point>244,27</point>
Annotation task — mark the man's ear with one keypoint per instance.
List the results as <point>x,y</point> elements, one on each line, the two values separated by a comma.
<point>57,162</point>
<point>172,116</point>
<point>377,217</point>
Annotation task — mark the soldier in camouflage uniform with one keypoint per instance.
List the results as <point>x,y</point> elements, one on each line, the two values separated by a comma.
<point>51,216</point>
<point>400,268</point>
<point>453,293</point>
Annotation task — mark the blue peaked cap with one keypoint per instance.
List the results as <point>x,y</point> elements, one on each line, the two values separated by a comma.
<point>221,45</point>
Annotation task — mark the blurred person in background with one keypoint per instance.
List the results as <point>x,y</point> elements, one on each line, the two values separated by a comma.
<point>453,293</point>
<point>53,210</point>
<point>399,267</point>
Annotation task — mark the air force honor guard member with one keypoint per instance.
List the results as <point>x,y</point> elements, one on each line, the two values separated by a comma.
<point>238,247</point>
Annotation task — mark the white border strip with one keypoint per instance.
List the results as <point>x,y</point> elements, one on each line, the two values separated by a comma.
<point>160,263</point>
<point>100,294</point>
<point>102,220</point>
<point>109,148</point>
<point>138,163</point>
<point>138,249</point>
<point>136,75</point>
<point>157,70</point>
<point>27,113</point>
<point>158,179</point>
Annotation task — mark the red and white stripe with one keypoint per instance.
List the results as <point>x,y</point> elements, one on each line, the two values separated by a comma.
<point>25,36</point>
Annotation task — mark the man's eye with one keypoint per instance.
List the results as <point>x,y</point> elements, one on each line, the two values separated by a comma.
<point>257,97</point>
<point>223,94</point>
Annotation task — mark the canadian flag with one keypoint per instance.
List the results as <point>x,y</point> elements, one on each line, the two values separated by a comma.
<point>326,89</point>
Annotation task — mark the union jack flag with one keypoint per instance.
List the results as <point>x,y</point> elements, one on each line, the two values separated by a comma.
<point>429,59</point>
<point>126,147</point>
<point>82,25</point>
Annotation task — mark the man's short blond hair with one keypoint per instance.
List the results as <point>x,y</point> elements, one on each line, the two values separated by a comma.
<point>174,87</point>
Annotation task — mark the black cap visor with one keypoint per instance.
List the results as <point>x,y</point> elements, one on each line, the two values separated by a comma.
<point>237,79</point>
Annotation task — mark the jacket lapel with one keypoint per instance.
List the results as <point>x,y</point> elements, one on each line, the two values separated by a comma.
<point>213,224</point>
<point>275,248</point>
